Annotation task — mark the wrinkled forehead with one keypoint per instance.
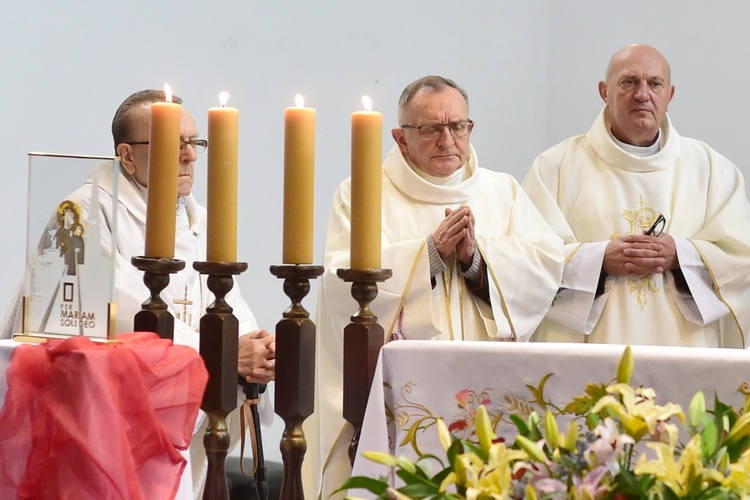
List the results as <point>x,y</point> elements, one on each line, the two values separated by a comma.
<point>187,126</point>
<point>640,63</point>
<point>428,103</point>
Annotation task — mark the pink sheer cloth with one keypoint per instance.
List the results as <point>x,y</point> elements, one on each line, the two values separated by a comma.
<point>83,420</point>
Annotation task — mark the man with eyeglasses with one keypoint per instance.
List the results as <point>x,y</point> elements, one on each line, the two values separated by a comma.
<point>464,242</point>
<point>656,226</point>
<point>187,295</point>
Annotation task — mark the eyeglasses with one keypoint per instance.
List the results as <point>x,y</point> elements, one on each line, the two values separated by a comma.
<point>199,145</point>
<point>431,132</point>
<point>657,227</point>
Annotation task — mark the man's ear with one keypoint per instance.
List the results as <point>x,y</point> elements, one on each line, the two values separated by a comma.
<point>125,152</point>
<point>400,138</point>
<point>603,91</point>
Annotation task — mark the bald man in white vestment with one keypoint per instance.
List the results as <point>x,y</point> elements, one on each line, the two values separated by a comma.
<point>656,226</point>
<point>472,258</point>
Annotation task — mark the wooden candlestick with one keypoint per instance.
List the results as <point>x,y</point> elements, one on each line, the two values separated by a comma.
<point>154,316</point>
<point>363,338</point>
<point>219,345</point>
<point>295,373</point>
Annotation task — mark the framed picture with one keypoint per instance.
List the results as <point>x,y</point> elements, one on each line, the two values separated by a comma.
<point>69,281</point>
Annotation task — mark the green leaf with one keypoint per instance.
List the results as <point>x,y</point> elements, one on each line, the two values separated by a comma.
<point>470,447</point>
<point>709,438</point>
<point>580,405</point>
<point>415,486</point>
<point>630,485</point>
<point>592,420</point>
<point>523,429</point>
<point>377,486</point>
<point>440,476</point>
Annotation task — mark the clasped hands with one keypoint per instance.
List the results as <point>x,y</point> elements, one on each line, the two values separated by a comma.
<point>256,360</point>
<point>639,255</point>
<point>456,233</point>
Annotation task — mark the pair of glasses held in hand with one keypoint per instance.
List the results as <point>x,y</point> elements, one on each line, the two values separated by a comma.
<point>657,227</point>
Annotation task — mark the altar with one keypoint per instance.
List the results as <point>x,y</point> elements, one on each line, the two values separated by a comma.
<point>418,381</point>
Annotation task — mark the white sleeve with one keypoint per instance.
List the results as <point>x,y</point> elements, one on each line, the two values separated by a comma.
<point>576,305</point>
<point>700,305</point>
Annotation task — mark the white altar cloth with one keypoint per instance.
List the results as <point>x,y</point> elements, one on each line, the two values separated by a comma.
<point>417,381</point>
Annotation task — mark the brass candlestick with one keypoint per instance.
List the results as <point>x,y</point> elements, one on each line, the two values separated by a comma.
<point>219,345</point>
<point>295,373</point>
<point>154,316</point>
<point>363,338</point>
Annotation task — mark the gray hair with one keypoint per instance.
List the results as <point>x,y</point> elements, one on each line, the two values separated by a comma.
<point>122,129</point>
<point>430,83</point>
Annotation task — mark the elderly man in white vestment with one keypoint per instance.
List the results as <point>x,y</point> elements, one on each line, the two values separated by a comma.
<point>187,295</point>
<point>631,276</point>
<point>472,258</point>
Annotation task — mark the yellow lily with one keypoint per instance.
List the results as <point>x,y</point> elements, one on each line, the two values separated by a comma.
<point>738,479</point>
<point>638,411</point>
<point>740,429</point>
<point>494,478</point>
<point>679,476</point>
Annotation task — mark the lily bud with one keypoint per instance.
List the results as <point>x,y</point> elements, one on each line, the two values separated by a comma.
<point>380,458</point>
<point>444,434</point>
<point>531,449</point>
<point>697,409</point>
<point>484,428</point>
<point>625,368</point>
<point>550,427</point>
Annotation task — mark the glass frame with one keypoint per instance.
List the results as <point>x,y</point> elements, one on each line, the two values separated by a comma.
<point>69,279</point>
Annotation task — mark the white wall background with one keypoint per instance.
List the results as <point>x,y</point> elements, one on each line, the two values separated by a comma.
<point>530,67</point>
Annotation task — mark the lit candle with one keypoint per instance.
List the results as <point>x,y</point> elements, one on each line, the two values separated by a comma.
<point>223,133</point>
<point>367,139</point>
<point>163,161</point>
<point>299,168</point>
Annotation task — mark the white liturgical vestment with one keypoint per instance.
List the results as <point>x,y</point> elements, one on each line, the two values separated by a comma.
<point>187,295</point>
<point>591,190</point>
<point>523,259</point>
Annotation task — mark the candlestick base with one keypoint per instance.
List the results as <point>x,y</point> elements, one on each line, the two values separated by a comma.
<point>154,316</point>
<point>219,344</point>
<point>295,373</point>
<point>363,338</point>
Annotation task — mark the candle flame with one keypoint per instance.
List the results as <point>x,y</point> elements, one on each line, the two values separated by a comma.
<point>223,98</point>
<point>168,92</point>
<point>367,103</point>
<point>299,101</point>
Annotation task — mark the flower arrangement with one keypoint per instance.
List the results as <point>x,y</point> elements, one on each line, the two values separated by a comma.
<point>620,445</point>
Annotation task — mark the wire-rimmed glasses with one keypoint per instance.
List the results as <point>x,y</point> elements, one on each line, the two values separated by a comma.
<point>458,128</point>
<point>199,145</point>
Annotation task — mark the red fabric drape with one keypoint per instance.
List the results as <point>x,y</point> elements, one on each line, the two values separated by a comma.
<point>83,420</point>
